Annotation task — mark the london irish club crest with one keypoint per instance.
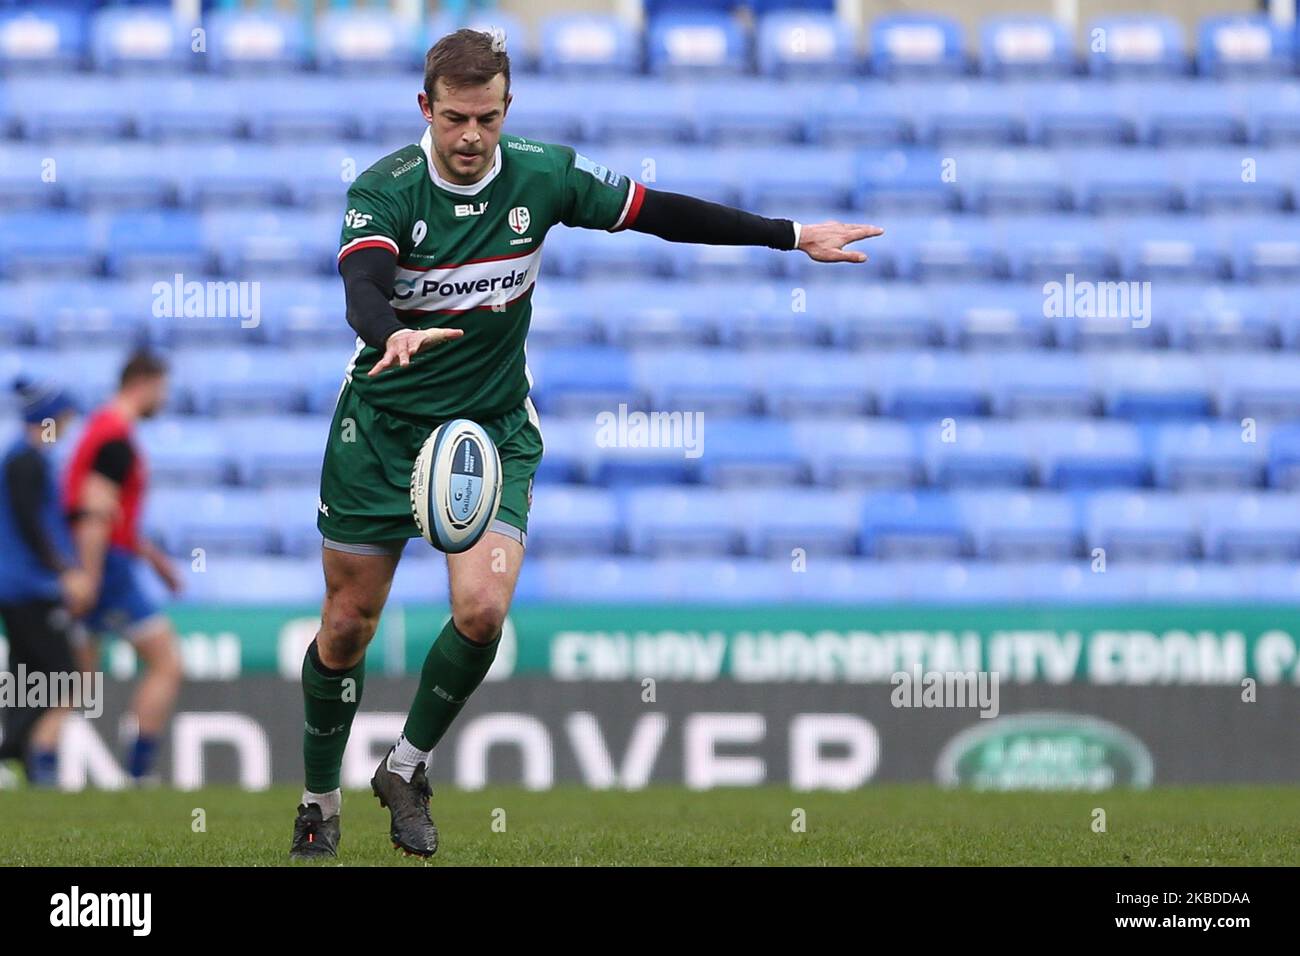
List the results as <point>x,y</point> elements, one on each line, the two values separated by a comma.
<point>519,219</point>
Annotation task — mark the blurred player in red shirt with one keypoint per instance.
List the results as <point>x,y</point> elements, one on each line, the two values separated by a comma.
<point>104,497</point>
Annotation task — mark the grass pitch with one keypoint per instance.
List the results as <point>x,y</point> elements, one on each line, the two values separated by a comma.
<point>504,826</point>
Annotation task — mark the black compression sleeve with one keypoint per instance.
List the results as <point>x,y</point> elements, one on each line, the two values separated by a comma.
<point>368,276</point>
<point>113,460</point>
<point>25,476</point>
<point>679,218</point>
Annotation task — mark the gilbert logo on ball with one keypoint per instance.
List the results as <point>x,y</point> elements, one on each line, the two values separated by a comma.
<point>456,485</point>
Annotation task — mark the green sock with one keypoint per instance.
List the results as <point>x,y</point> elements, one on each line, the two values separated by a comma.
<point>330,700</point>
<point>455,665</point>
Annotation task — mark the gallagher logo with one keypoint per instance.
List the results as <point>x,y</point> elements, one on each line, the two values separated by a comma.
<point>519,219</point>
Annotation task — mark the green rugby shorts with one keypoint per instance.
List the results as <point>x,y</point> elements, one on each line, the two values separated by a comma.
<point>365,482</point>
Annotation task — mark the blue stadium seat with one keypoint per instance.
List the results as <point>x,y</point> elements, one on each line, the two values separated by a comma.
<point>640,580</point>
<point>581,380</point>
<point>683,522</point>
<point>120,178</point>
<point>1222,181</point>
<point>1244,45</point>
<point>904,182</point>
<point>788,182</point>
<point>576,520</point>
<point>22,187</point>
<point>256,580</point>
<point>588,43</point>
<point>800,523</point>
<point>1075,115</point>
<point>913,525</point>
<point>139,37</point>
<point>723,385</point>
<point>1110,182</point>
<point>217,521</point>
<point>231,175</point>
<point>1283,456</point>
<point>1221,317</point>
<point>858,453</point>
<point>364,40</point>
<point>33,38</point>
<point>1025,46</point>
<point>1251,527</point>
<point>1042,248</point>
<point>1136,44</point>
<point>93,313</point>
<point>1087,455</point>
<point>567,313</point>
<point>156,243</point>
<point>185,452</point>
<point>916,44</point>
<point>948,248</point>
<point>1143,526</point>
<point>241,40</point>
<point>305,312</point>
<point>38,243</point>
<point>750,122</point>
<point>271,242</point>
<point>696,42</point>
<point>291,510</point>
<point>810,382</point>
<point>234,381</point>
<point>1021,182</point>
<point>927,385</point>
<point>870,116</point>
<point>1261,386</point>
<point>17,325</point>
<point>973,454</point>
<point>798,43</point>
<point>590,253</point>
<point>1206,115</point>
<point>994,316</point>
<point>749,452</point>
<point>1271,115</point>
<point>1017,525</point>
<point>1267,250</point>
<point>571,450</point>
<point>881,315</point>
<point>61,107</point>
<point>1205,455</point>
<point>968,113</point>
<point>272,449</point>
<point>1153,386</point>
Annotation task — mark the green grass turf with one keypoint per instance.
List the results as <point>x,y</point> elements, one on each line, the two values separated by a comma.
<point>889,825</point>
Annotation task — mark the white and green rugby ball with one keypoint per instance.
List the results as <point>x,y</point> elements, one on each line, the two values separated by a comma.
<point>456,485</point>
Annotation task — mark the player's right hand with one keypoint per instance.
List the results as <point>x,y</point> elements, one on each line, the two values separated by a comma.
<point>79,591</point>
<point>402,345</point>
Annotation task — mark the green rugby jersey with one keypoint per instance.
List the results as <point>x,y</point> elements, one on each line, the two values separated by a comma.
<point>467,258</point>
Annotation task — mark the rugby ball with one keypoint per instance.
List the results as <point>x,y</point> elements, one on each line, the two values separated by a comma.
<point>456,485</point>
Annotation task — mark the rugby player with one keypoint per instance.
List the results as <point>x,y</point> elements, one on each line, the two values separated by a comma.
<point>439,254</point>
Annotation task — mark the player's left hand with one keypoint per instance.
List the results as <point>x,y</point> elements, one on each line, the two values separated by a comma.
<point>825,241</point>
<point>405,343</point>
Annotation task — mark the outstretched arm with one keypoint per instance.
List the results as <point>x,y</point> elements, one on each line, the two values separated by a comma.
<point>679,218</point>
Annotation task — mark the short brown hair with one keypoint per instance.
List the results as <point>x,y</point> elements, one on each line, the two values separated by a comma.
<point>142,364</point>
<point>465,58</point>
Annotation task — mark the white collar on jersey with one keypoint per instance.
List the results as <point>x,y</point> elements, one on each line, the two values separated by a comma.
<point>426,144</point>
